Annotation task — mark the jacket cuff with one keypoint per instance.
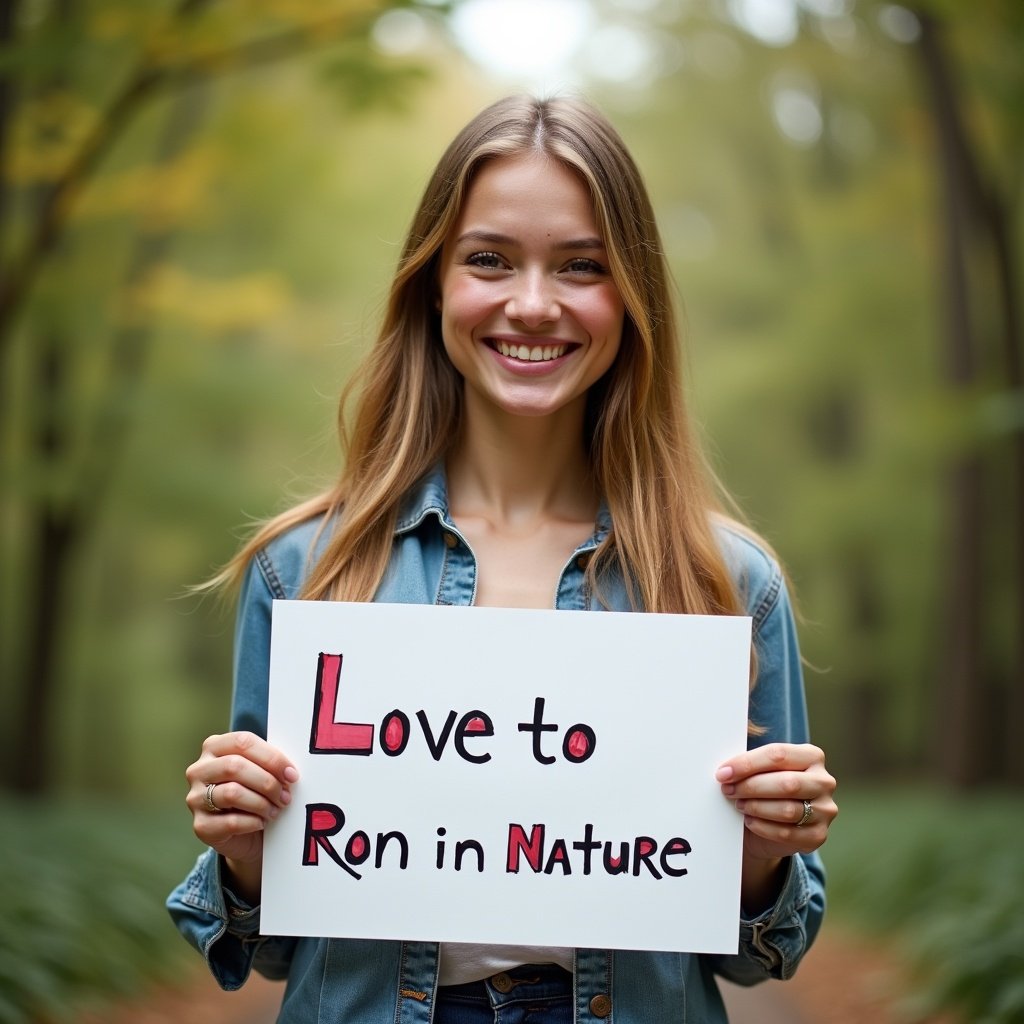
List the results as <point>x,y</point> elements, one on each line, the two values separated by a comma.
<point>222,927</point>
<point>777,938</point>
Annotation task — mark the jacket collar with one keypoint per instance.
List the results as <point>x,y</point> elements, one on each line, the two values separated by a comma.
<point>430,497</point>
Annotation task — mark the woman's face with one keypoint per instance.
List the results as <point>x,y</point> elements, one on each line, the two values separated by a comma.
<point>530,315</point>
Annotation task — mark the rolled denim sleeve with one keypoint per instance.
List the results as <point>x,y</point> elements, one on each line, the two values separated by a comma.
<point>772,943</point>
<point>224,929</point>
<point>220,926</point>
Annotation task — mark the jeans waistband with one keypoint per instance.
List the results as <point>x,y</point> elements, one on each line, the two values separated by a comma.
<point>518,984</point>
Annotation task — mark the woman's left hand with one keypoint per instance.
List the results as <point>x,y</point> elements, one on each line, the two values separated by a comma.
<point>774,786</point>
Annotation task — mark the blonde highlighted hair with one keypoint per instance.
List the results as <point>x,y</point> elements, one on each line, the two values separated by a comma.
<point>643,454</point>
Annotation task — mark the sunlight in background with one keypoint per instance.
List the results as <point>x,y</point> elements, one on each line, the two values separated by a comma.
<point>522,39</point>
<point>773,22</point>
<point>546,45</point>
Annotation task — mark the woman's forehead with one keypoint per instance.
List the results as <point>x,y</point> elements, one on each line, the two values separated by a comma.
<point>528,192</point>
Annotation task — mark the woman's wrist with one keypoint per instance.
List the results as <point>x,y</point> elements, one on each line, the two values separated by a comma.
<point>243,878</point>
<point>762,881</point>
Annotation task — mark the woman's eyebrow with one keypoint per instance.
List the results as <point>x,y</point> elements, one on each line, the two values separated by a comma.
<point>497,238</point>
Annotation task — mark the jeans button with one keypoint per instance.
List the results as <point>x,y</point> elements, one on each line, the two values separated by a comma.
<point>601,1005</point>
<point>502,982</point>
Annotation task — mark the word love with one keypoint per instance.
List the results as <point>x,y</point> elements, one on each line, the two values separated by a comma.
<point>329,736</point>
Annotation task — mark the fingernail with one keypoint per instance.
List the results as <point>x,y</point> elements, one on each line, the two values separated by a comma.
<point>274,812</point>
<point>724,773</point>
<point>291,775</point>
<point>728,790</point>
<point>286,797</point>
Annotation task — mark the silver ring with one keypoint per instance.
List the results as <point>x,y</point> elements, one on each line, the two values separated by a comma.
<point>804,818</point>
<point>208,798</point>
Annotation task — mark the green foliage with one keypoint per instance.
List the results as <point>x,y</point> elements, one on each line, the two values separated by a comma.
<point>942,876</point>
<point>83,891</point>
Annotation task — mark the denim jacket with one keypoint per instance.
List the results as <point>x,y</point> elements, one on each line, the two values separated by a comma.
<point>372,982</point>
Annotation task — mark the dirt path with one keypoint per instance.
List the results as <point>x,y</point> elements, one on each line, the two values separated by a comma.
<point>843,980</point>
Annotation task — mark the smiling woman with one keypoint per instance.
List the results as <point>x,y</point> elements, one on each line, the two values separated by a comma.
<point>520,440</point>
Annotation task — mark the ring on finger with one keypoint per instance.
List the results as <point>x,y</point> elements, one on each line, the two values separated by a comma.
<point>804,818</point>
<point>208,798</point>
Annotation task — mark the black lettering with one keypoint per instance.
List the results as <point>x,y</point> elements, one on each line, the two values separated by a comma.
<point>644,848</point>
<point>673,848</point>
<point>469,844</point>
<point>471,725</point>
<point>383,838</point>
<point>436,746</point>
<point>537,726</point>
<point>588,846</point>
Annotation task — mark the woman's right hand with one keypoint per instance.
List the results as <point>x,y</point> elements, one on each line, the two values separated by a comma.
<point>251,784</point>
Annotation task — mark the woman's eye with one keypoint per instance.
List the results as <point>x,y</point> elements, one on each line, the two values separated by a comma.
<point>582,265</point>
<point>486,260</point>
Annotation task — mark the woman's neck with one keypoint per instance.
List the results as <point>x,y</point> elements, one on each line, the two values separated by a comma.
<point>519,471</point>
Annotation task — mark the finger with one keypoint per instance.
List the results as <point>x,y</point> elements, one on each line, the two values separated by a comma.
<point>786,812</point>
<point>254,748</point>
<point>773,757</point>
<point>235,796</point>
<point>233,766</point>
<point>216,828</point>
<point>781,785</point>
<point>787,839</point>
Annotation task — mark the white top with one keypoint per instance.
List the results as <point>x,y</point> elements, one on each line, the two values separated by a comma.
<point>462,962</point>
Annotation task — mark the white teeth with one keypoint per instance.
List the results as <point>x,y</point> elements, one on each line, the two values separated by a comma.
<point>541,354</point>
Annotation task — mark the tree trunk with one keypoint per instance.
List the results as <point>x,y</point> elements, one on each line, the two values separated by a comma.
<point>975,224</point>
<point>55,535</point>
<point>60,533</point>
<point>963,743</point>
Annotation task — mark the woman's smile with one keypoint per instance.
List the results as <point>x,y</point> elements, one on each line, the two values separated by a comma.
<point>528,350</point>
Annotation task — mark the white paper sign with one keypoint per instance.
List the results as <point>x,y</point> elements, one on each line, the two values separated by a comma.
<point>506,776</point>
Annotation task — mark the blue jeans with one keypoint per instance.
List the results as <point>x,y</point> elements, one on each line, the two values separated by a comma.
<point>530,994</point>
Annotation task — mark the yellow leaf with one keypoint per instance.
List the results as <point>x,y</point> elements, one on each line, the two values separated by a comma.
<point>162,195</point>
<point>216,305</point>
<point>46,134</point>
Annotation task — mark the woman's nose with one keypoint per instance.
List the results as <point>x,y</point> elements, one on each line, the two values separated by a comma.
<point>533,300</point>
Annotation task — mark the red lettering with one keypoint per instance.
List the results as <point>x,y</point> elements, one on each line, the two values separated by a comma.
<point>533,848</point>
<point>329,736</point>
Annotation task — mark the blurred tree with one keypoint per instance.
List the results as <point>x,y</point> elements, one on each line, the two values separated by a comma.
<point>61,119</point>
<point>983,332</point>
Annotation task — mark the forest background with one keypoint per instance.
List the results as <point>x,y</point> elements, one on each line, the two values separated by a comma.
<point>200,209</point>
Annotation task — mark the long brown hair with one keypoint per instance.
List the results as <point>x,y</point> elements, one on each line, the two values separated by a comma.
<point>644,457</point>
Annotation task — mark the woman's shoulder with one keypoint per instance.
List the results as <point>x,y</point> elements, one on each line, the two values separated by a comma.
<point>285,560</point>
<point>753,566</point>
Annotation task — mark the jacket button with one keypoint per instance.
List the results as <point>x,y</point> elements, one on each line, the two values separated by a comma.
<point>451,540</point>
<point>502,982</point>
<point>601,1005</point>
<point>582,561</point>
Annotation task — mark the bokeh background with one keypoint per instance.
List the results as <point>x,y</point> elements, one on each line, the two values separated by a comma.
<point>201,203</point>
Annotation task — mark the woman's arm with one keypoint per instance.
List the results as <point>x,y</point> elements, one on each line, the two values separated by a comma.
<point>782,887</point>
<point>215,907</point>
